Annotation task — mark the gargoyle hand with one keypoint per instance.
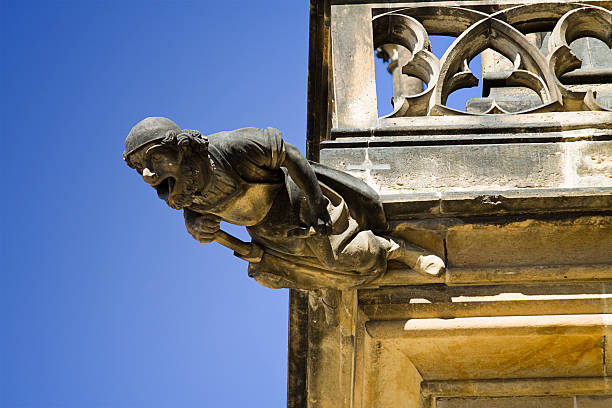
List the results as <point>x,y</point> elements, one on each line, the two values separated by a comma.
<point>202,227</point>
<point>321,222</point>
<point>317,222</point>
<point>315,217</point>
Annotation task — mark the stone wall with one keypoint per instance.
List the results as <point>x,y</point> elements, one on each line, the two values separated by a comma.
<point>515,194</point>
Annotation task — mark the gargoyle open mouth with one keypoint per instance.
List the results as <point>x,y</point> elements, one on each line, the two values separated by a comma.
<point>165,188</point>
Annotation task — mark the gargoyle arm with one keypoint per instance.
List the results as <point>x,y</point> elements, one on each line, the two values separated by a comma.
<point>304,176</point>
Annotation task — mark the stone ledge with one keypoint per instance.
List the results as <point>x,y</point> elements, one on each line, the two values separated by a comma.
<point>451,310</point>
<point>492,294</point>
<point>410,171</point>
<point>348,139</point>
<point>532,274</point>
<point>516,275</point>
<point>479,4</point>
<point>497,202</point>
<point>513,387</point>
<point>509,347</point>
<point>536,401</point>
<point>475,125</point>
<point>559,325</point>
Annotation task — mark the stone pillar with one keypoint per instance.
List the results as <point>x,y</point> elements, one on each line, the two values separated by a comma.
<point>397,56</point>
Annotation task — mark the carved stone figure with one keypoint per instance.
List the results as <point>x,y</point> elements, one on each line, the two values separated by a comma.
<point>312,227</point>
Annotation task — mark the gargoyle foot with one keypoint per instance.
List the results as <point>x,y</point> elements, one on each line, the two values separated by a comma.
<point>430,265</point>
<point>417,258</point>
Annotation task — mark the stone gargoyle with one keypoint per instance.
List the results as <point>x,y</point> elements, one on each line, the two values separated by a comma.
<point>312,227</point>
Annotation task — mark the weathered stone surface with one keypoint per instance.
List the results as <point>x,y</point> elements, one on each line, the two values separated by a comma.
<point>518,205</point>
<point>572,386</point>
<point>531,242</point>
<point>581,401</point>
<point>355,86</point>
<point>389,379</point>
<point>477,167</point>
<point>508,103</point>
<point>491,203</point>
<point>508,347</point>
<point>506,402</point>
<point>453,302</point>
<point>593,401</point>
<point>542,126</point>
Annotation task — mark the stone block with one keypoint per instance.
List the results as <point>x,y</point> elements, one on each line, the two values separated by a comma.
<point>496,347</point>
<point>593,401</point>
<point>389,381</point>
<point>506,402</point>
<point>531,242</point>
<point>428,168</point>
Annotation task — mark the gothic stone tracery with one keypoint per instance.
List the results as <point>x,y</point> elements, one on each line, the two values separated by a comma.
<point>535,38</point>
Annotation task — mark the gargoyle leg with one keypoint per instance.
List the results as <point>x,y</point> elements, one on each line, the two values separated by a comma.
<point>415,257</point>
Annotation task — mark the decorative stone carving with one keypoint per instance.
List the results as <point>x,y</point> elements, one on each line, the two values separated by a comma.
<point>583,22</point>
<point>504,31</point>
<point>312,227</point>
<point>408,32</point>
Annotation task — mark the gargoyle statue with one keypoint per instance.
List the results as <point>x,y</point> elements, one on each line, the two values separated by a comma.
<point>312,227</point>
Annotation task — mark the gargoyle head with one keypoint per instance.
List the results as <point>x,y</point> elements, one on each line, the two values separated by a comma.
<point>173,161</point>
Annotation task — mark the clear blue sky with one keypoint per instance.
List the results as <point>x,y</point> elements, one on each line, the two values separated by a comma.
<point>106,301</point>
